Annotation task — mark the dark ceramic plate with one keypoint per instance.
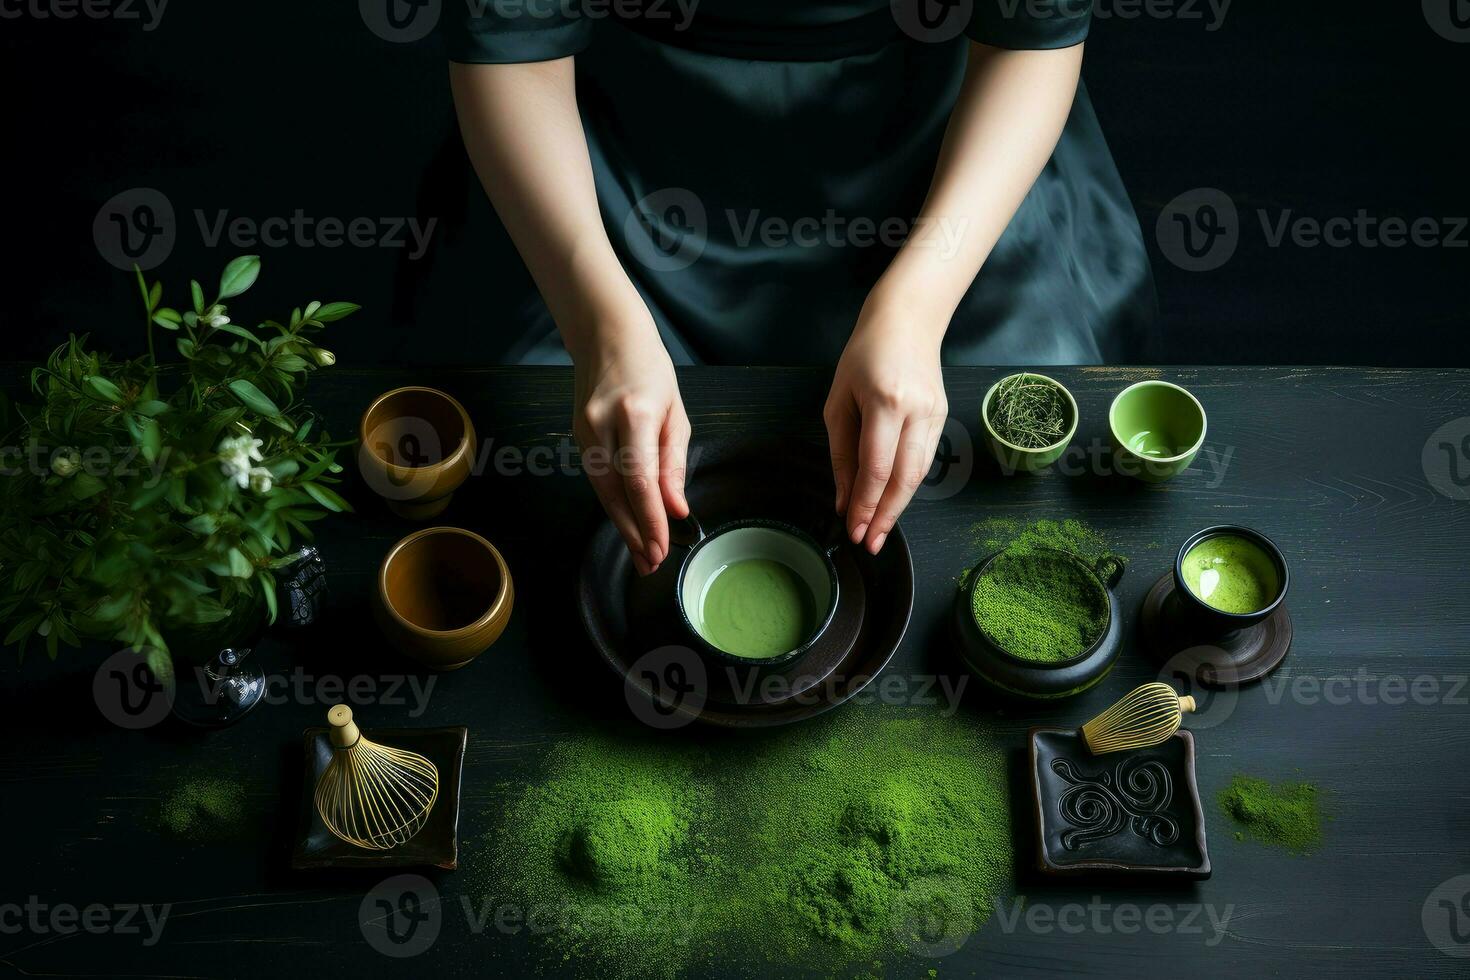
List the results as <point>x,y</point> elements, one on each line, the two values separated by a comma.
<point>1240,657</point>
<point>436,845</point>
<point>628,618</point>
<point>1135,812</point>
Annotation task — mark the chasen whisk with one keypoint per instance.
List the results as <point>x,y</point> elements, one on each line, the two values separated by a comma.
<point>371,795</point>
<point>1146,716</point>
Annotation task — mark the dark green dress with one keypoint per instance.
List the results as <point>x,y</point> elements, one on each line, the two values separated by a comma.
<point>758,161</point>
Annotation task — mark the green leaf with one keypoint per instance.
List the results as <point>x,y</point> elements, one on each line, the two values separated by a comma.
<point>154,407</point>
<point>203,524</point>
<point>85,485</point>
<point>154,295</point>
<point>186,347</point>
<point>254,398</point>
<point>335,311</point>
<point>329,499</point>
<point>268,590</point>
<point>104,388</point>
<point>152,441</point>
<point>239,276</point>
<point>197,293</point>
<point>161,665</point>
<point>240,566</point>
<point>165,322</point>
<point>239,331</point>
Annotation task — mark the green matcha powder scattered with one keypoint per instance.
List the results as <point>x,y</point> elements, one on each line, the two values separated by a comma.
<point>1285,815</point>
<point>857,837</point>
<point>203,808</point>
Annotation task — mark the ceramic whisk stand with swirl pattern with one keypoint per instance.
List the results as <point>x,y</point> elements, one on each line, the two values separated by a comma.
<point>1130,813</point>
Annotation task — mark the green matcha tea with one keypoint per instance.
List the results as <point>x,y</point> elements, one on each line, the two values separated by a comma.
<point>757,608</point>
<point>1231,574</point>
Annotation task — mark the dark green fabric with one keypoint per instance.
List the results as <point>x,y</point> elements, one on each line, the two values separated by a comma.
<point>746,156</point>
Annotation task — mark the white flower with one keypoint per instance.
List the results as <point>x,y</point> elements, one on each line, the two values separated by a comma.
<point>323,357</point>
<point>214,317</point>
<point>66,462</point>
<point>260,479</point>
<point>237,453</point>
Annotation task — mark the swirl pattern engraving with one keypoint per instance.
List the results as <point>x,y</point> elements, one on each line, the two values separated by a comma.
<point>1133,795</point>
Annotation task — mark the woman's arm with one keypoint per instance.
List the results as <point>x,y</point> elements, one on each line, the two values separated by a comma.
<point>887,407</point>
<point>524,134</point>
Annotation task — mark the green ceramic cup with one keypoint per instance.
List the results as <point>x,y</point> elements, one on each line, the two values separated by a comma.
<point>1158,429</point>
<point>1016,459</point>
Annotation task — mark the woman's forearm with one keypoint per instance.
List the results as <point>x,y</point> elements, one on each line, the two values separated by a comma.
<point>1006,123</point>
<point>524,135</point>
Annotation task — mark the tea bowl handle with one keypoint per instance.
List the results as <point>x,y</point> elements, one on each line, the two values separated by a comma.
<point>685,532</point>
<point>1110,568</point>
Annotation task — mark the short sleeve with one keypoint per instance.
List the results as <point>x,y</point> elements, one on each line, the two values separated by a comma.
<point>1030,24</point>
<point>494,32</point>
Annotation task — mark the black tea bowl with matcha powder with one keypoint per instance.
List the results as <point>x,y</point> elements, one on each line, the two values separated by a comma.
<point>1040,623</point>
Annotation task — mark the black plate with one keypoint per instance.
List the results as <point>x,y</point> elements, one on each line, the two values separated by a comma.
<point>1135,812</point>
<point>436,845</point>
<point>628,618</point>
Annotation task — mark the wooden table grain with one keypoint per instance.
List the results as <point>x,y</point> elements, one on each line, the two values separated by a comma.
<point>1372,704</point>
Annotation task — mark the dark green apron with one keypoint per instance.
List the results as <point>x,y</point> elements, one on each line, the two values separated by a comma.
<point>758,161</point>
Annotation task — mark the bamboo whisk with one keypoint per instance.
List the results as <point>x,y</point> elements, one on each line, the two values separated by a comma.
<point>1146,716</point>
<point>371,795</point>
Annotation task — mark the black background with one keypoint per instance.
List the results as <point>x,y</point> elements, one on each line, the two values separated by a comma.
<point>1315,109</point>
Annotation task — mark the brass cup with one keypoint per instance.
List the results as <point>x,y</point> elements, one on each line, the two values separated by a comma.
<point>444,596</point>
<point>417,447</point>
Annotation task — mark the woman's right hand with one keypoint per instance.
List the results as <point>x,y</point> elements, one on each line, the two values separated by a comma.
<point>634,433</point>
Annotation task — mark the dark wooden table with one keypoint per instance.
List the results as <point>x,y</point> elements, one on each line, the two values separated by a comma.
<point>1328,462</point>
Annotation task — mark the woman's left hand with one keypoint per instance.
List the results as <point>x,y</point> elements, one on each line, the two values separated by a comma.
<point>884,416</point>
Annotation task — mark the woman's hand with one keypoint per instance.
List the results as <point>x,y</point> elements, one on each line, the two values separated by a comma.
<point>884,417</point>
<point>634,434</point>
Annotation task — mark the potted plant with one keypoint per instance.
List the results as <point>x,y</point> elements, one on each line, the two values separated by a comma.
<point>151,503</point>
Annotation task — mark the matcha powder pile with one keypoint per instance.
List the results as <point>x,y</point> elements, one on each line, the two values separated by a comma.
<point>1033,600</point>
<point>861,837</point>
<point>203,809</point>
<point>1286,815</point>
